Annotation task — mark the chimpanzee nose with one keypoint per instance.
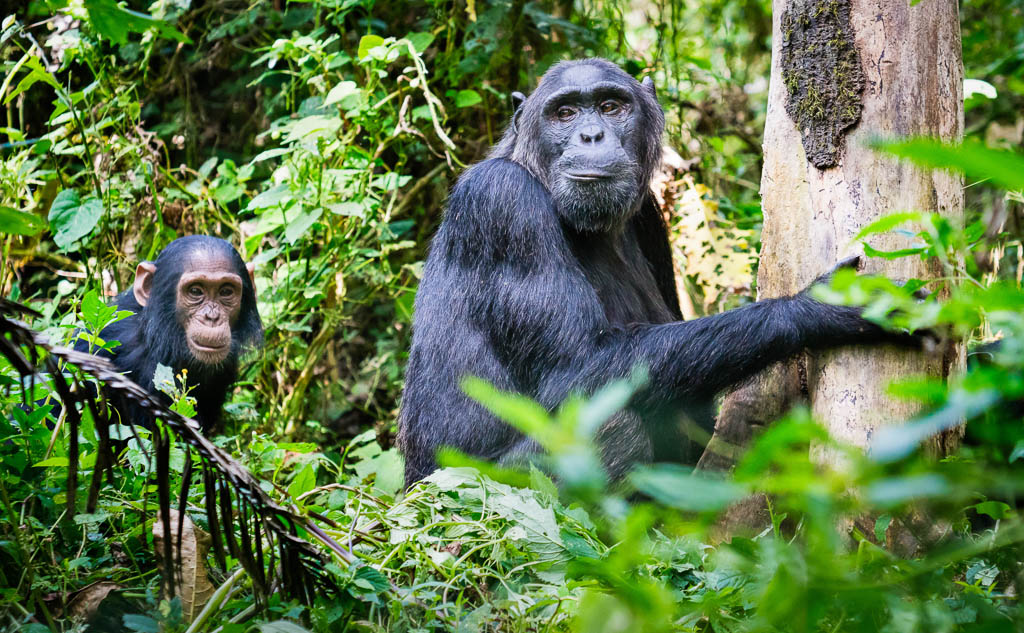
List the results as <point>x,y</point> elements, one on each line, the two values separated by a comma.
<point>591,134</point>
<point>211,315</point>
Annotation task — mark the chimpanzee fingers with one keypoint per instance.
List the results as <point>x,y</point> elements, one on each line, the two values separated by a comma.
<point>849,262</point>
<point>853,261</point>
<point>921,294</point>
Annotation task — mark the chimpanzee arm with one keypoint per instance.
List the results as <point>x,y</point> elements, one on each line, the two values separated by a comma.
<point>546,325</point>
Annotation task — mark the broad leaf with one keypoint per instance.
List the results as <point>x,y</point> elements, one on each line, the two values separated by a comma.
<point>72,218</point>
<point>974,159</point>
<point>14,222</point>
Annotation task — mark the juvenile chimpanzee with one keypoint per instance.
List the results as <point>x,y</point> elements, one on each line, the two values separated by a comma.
<point>195,309</point>
<point>551,273</point>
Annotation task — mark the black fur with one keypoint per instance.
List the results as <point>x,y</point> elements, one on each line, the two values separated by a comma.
<point>154,334</point>
<point>520,290</point>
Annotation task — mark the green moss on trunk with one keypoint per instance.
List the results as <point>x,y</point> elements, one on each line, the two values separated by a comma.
<point>822,73</point>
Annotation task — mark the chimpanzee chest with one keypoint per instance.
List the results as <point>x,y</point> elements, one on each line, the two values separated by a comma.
<point>622,278</point>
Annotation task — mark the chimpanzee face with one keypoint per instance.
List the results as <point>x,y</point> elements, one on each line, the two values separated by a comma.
<point>205,299</point>
<point>587,122</point>
<point>208,302</point>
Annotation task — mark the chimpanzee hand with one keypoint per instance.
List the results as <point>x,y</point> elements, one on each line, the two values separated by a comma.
<point>867,330</point>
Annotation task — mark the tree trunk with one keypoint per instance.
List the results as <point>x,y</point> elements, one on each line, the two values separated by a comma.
<point>844,72</point>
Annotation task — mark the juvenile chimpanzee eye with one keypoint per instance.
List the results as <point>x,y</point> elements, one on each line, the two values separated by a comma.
<point>227,291</point>
<point>565,113</point>
<point>610,106</point>
<point>195,291</point>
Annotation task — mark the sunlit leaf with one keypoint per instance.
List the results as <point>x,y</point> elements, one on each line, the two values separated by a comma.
<point>14,222</point>
<point>971,157</point>
<point>114,22</point>
<point>467,98</point>
<point>368,42</point>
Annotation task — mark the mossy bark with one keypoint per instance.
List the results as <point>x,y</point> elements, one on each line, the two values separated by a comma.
<point>912,73</point>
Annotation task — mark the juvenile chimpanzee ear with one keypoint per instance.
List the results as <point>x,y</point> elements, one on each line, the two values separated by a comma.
<point>649,84</point>
<point>518,99</point>
<point>143,282</point>
<point>250,267</point>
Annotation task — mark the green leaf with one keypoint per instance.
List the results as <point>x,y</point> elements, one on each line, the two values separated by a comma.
<point>114,22</point>
<point>304,481</point>
<point>888,222</point>
<point>281,626</point>
<point>519,411</point>
<point>61,462</point>
<point>896,490</point>
<point>467,98</point>
<point>995,509</point>
<point>94,311</point>
<point>300,225</point>
<point>541,482</point>
<point>390,472</point>
<point>36,74</point>
<point>871,251</point>
<point>676,487</point>
<point>420,41</point>
<point>140,623</point>
<point>354,209</point>
<point>881,525</point>
<point>163,379</point>
<point>270,153</point>
<point>340,92</point>
<point>1017,452</point>
<point>367,42</point>
<point>71,218</point>
<point>370,579</point>
<point>270,198</point>
<point>970,157</point>
<point>14,222</point>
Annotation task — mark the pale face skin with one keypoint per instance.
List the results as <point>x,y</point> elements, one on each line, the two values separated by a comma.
<point>209,299</point>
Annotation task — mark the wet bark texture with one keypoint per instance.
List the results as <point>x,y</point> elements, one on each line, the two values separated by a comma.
<point>912,84</point>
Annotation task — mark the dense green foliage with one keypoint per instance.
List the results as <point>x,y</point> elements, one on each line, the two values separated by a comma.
<point>320,137</point>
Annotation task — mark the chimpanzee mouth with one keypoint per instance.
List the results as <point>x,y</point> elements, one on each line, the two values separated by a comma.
<point>206,349</point>
<point>587,176</point>
<point>209,348</point>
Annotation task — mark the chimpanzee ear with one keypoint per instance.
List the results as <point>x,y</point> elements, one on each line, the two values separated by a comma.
<point>250,267</point>
<point>143,282</point>
<point>518,99</point>
<point>649,84</point>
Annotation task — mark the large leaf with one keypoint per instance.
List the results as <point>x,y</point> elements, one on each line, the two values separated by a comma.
<point>72,218</point>
<point>114,22</point>
<point>974,159</point>
<point>677,487</point>
<point>14,222</point>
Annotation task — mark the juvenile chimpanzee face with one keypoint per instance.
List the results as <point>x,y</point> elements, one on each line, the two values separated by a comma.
<point>590,133</point>
<point>209,299</point>
<point>201,291</point>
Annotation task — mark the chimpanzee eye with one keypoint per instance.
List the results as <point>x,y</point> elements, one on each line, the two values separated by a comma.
<point>195,291</point>
<point>566,113</point>
<point>227,291</point>
<point>610,106</point>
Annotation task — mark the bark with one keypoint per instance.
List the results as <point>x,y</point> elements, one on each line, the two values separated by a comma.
<point>820,185</point>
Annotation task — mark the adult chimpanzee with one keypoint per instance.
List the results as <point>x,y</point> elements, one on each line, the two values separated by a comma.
<point>552,274</point>
<point>195,309</point>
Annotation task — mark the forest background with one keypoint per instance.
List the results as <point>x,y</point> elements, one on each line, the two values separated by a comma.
<point>321,139</point>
